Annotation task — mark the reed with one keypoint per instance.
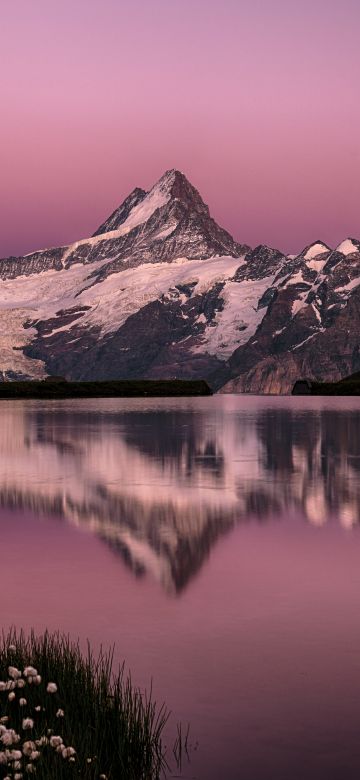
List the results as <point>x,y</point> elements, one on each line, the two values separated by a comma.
<point>64,714</point>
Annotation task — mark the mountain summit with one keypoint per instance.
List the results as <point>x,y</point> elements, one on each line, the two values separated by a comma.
<point>139,206</point>
<point>171,213</point>
<point>161,290</point>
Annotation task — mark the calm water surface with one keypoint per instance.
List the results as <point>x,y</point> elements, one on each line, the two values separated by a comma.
<point>216,542</point>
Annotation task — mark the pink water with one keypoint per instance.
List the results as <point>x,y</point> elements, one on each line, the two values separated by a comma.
<point>216,543</point>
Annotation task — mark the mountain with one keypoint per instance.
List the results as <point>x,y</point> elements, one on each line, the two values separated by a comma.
<point>160,290</point>
<point>311,324</point>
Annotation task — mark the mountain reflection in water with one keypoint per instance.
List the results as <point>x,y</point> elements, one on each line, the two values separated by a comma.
<point>161,481</point>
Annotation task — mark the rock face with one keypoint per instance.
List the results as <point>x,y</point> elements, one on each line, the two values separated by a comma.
<point>160,290</point>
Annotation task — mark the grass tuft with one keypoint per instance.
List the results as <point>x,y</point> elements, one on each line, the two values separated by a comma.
<point>106,727</point>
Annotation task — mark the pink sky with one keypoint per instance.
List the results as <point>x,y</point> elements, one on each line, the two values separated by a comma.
<point>257,102</point>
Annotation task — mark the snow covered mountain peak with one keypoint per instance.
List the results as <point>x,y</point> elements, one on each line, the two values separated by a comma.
<point>316,249</point>
<point>168,222</point>
<point>348,247</point>
<point>174,188</point>
<point>139,206</point>
<point>168,178</point>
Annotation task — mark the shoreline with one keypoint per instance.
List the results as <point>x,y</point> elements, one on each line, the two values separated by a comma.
<point>58,389</point>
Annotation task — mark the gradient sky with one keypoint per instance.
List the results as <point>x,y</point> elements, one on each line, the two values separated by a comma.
<point>256,101</point>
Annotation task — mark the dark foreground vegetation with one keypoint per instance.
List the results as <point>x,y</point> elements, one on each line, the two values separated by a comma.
<point>63,715</point>
<point>350,385</point>
<point>59,388</point>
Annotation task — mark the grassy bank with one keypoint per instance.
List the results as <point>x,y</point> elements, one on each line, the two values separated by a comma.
<point>344,387</point>
<point>114,389</point>
<point>66,716</point>
<point>349,385</point>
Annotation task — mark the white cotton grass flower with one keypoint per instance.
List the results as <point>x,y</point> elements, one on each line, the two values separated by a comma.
<point>22,702</point>
<point>30,671</point>
<point>15,755</point>
<point>37,680</point>
<point>38,708</point>
<point>14,673</point>
<point>27,724</point>
<point>3,758</point>
<point>51,687</point>
<point>10,685</point>
<point>10,737</point>
<point>12,648</point>
<point>28,748</point>
<point>4,719</point>
<point>11,696</point>
<point>68,752</point>
<point>60,713</point>
<point>20,683</point>
<point>55,741</point>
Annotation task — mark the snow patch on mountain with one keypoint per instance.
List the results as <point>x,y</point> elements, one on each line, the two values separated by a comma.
<point>165,232</point>
<point>40,297</point>
<point>316,311</point>
<point>33,298</point>
<point>156,198</point>
<point>138,216</point>
<point>238,320</point>
<point>124,293</point>
<point>350,286</point>
<point>298,304</point>
<point>316,264</point>
<point>296,278</point>
<point>308,338</point>
<point>14,338</point>
<point>315,249</point>
<point>347,247</point>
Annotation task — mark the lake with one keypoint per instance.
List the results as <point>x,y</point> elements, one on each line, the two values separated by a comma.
<point>216,542</point>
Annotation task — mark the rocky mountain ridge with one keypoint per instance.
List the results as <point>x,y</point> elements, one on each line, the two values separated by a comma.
<point>160,290</point>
